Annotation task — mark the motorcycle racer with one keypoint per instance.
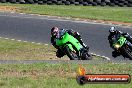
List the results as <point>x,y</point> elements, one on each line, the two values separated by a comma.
<point>114,36</point>
<point>56,33</point>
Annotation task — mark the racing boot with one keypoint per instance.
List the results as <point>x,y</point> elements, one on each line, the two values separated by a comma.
<point>129,38</point>
<point>83,44</point>
<point>59,53</point>
<point>78,37</point>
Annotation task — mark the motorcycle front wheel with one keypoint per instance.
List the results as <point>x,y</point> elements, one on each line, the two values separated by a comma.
<point>128,51</point>
<point>71,54</point>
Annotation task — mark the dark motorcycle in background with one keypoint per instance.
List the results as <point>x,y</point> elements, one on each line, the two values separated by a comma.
<point>122,47</point>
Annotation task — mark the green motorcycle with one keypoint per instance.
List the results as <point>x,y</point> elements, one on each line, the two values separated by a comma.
<point>72,47</point>
<point>122,46</point>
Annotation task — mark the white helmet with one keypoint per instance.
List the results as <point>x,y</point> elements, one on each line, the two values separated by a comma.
<point>112,30</point>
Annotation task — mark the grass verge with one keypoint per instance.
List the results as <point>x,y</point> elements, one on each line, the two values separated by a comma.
<point>14,50</point>
<point>120,14</point>
<point>62,75</point>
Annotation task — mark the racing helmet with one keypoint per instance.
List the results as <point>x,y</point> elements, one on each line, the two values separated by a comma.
<point>112,30</point>
<point>55,31</point>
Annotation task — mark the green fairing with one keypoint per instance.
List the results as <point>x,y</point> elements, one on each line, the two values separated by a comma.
<point>121,41</point>
<point>69,40</point>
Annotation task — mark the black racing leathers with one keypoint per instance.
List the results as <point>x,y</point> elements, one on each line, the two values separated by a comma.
<point>115,36</point>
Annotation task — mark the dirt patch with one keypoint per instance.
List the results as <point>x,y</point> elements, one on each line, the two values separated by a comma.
<point>8,8</point>
<point>115,22</point>
<point>98,21</point>
<point>38,73</point>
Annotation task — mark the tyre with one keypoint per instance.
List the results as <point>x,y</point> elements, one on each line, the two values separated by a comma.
<point>129,5</point>
<point>94,4</point>
<point>103,4</point>
<point>121,4</point>
<point>21,1</point>
<point>128,51</point>
<point>43,2</point>
<point>126,2</point>
<point>122,0</point>
<point>54,1</point>
<point>71,1</point>
<point>98,2</point>
<point>3,1</point>
<point>12,1</point>
<point>29,1</point>
<point>85,4</point>
<point>130,1</point>
<point>81,80</point>
<point>112,4</point>
<point>67,3</point>
<point>49,2</point>
<point>90,1</point>
<point>79,0</point>
<point>40,2</point>
<point>76,3</point>
<point>72,55</point>
<point>35,1</point>
<point>116,2</point>
<point>89,4</point>
<point>87,56</point>
<point>59,3</point>
<point>107,2</point>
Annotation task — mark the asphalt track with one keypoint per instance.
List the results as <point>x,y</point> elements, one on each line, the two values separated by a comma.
<point>37,29</point>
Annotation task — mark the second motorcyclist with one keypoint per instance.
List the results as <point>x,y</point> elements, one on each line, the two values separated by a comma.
<point>114,35</point>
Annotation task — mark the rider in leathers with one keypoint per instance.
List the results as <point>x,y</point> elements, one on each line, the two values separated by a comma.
<point>57,33</point>
<point>114,35</point>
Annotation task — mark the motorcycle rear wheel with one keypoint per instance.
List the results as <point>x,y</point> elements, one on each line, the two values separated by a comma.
<point>87,56</point>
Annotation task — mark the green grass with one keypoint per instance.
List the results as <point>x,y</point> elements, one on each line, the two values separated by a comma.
<point>45,75</point>
<point>14,50</point>
<point>121,14</point>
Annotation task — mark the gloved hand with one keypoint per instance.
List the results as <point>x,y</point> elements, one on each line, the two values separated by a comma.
<point>125,34</point>
<point>77,35</point>
<point>86,47</point>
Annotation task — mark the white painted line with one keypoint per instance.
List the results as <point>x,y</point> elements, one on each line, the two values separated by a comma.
<point>39,43</point>
<point>100,56</point>
<point>33,42</point>
<point>32,14</point>
<point>68,18</point>
<point>0,37</point>
<point>46,44</point>
<point>110,23</point>
<point>77,19</point>
<point>120,25</point>
<point>21,13</point>
<point>39,15</point>
<point>12,12</point>
<point>12,39</point>
<point>6,38</point>
<point>19,40</point>
<point>24,41</point>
